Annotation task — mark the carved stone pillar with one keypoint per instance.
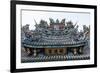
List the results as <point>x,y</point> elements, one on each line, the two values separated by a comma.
<point>28,51</point>
<point>80,50</point>
<point>74,51</point>
<point>35,52</point>
<point>25,49</point>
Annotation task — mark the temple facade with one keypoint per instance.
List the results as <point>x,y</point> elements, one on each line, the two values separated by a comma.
<point>56,38</point>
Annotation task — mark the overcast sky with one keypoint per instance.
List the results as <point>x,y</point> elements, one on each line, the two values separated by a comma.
<point>28,17</point>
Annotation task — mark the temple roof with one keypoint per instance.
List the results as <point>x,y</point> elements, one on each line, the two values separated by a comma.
<point>43,37</point>
<point>57,42</point>
<point>53,45</point>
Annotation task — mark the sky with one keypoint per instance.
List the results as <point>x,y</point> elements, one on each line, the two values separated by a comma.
<point>80,18</point>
